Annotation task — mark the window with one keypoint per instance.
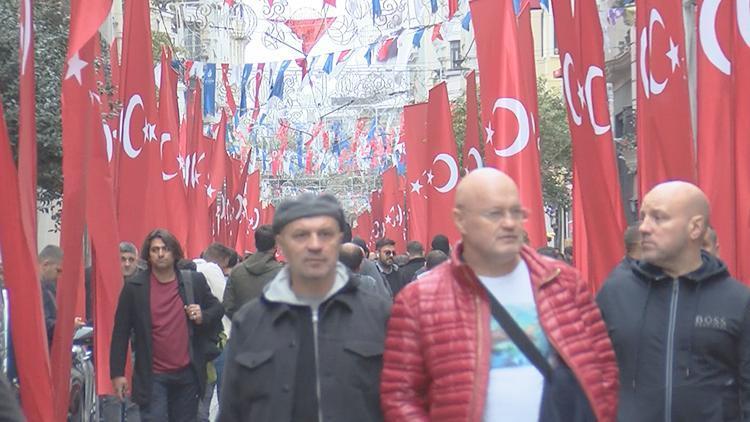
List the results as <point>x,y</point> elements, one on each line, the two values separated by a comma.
<point>456,59</point>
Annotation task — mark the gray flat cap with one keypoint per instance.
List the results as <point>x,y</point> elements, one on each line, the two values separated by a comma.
<point>308,205</point>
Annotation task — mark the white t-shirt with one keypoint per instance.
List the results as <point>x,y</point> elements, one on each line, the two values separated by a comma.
<point>515,386</point>
<point>216,282</point>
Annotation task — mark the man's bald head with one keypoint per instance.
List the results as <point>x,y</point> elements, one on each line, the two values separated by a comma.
<point>351,255</point>
<point>482,182</point>
<point>674,219</point>
<point>490,218</point>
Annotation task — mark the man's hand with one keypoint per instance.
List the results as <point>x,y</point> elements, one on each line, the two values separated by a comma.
<point>120,385</point>
<point>78,322</point>
<point>194,313</point>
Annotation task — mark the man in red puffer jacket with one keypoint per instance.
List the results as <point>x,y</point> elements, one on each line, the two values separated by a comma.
<point>446,356</point>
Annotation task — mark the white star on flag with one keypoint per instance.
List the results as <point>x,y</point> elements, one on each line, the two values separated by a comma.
<point>152,132</point>
<point>430,176</point>
<point>416,186</point>
<point>388,219</point>
<point>210,191</point>
<point>672,54</point>
<point>75,65</point>
<point>490,133</point>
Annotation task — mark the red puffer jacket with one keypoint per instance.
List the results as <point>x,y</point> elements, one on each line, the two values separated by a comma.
<point>436,361</point>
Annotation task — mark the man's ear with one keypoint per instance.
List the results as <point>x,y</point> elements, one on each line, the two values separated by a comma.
<point>697,227</point>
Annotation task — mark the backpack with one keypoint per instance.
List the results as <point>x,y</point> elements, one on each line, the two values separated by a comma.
<point>213,343</point>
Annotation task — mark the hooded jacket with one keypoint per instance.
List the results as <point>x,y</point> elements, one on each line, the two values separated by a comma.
<point>247,280</point>
<point>682,344</point>
<point>291,360</point>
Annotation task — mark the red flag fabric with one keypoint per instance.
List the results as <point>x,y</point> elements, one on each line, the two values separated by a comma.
<point>219,158</point>
<point>417,156</point>
<point>22,281</point>
<point>741,66</point>
<point>27,160</point>
<point>258,78</point>
<point>507,109</point>
<point>309,31</point>
<point>452,8</point>
<point>196,172</point>
<point>579,35</point>
<point>442,173</point>
<point>470,152</point>
<point>331,2</point>
<point>436,35</point>
<point>663,129</point>
<point>377,215</point>
<point>363,227</point>
<point>394,218</point>
<point>140,202</point>
<point>251,217</point>
<point>388,50</point>
<point>718,144</point>
<point>171,159</point>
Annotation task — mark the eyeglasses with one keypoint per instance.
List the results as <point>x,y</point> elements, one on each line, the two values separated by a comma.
<point>388,253</point>
<point>495,215</point>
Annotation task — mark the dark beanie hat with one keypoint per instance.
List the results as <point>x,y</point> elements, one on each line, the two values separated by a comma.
<point>308,205</point>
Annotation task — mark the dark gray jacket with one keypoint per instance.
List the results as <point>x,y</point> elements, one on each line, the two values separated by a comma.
<point>682,345</point>
<point>247,280</point>
<point>133,315</point>
<point>263,378</point>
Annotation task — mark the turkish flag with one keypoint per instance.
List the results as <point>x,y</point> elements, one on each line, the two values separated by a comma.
<point>219,158</point>
<point>470,151</point>
<point>442,174</point>
<point>508,104</point>
<point>267,213</point>
<point>721,175</point>
<point>27,159</point>
<point>171,160</point>
<point>394,219</point>
<point>195,172</point>
<point>663,128</point>
<point>22,281</point>
<point>249,212</point>
<point>377,214</point>
<point>741,66</point>
<point>417,156</point>
<point>579,37</point>
<point>140,202</point>
<point>231,103</point>
<point>363,226</point>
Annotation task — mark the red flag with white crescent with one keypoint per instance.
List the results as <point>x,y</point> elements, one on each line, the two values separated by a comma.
<point>249,213</point>
<point>394,218</point>
<point>508,105</point>
<point>580,43</point>
<point>663,129</point>
<point>377,214</point>
<point>219,158</point>
<point>27,123</point>
<point>415,143</point>
<point>721,174</point>
<point>741,65</point>
<point>195,172</point>
<point>22,281</point>
<point>140,202</point>
<point>471,152</point>
<point>363,226</point>
<point>171,159</point>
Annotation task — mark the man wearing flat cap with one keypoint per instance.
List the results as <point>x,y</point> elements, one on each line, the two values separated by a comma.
<point>311,347</point>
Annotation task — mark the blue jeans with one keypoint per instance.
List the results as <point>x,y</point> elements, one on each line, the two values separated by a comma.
<point>174,397</point>
<point>219,365</point>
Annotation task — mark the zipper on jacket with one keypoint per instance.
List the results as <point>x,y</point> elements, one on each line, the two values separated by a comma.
<point>670,349</point>
<point>317,362</point>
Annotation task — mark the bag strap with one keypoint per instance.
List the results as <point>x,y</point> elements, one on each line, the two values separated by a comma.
<point>518,336</point>
<point>187,281</point>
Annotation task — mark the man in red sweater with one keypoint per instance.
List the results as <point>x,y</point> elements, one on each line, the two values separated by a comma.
<point>448,357</point>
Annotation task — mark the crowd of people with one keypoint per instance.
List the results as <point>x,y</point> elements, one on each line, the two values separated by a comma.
<point>486,330</point>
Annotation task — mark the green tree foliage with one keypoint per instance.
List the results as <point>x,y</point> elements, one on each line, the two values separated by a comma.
<point>51,35</point>
<point>556,152</point>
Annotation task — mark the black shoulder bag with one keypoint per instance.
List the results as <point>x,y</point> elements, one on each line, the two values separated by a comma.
<point>210,347</point>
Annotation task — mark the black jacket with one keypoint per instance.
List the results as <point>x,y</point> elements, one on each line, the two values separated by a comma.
<point>270,373</point>
<point>246,281</point>
<point>407,271</point>
<point>134,315</point>
<point>682,345</point>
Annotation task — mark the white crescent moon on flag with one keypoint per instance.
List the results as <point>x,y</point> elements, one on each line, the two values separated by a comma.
<point>522,138</point>
<point>707,35</point>
<point>26,34</point>
<point>642,64</point>
<point>165,137</point>
<point>127,145</point>
<point>453,167</point>
<point>655,86</point>
<point>256,218</point>
<point>594,72</point>
<point>108,139</point>
<point>567,62</point>
<point>743,19</point>
<point>477,158</point>
<point>400,215</point>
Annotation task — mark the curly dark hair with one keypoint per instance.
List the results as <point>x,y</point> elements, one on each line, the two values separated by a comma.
<point>169,240</point>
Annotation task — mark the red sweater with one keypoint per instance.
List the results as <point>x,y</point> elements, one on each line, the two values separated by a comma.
<point>436,361</point>
<point>169,329</point>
